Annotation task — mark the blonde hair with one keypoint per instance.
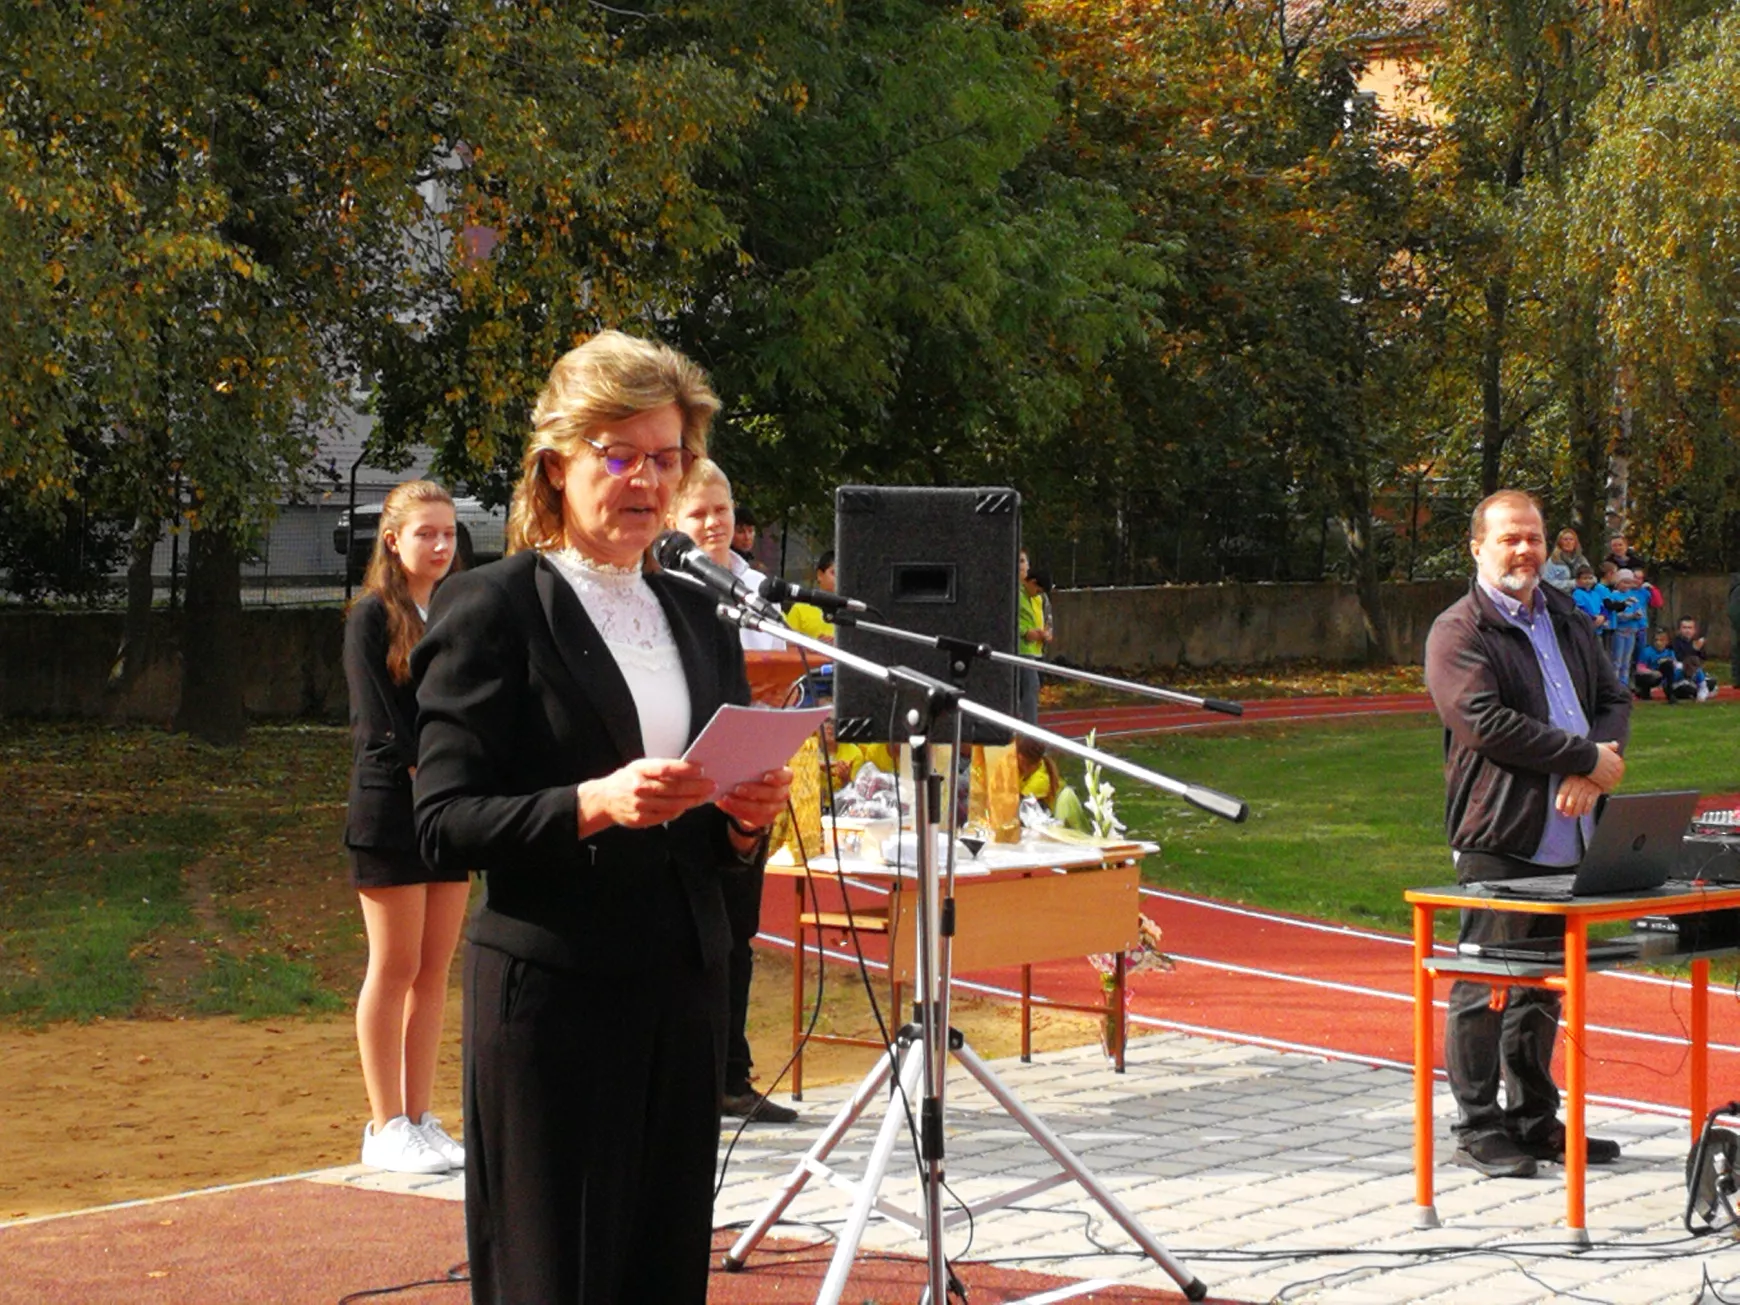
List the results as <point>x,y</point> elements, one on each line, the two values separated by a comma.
<point>704,474</point>
<point>610,377</point>
<point>385,577</point>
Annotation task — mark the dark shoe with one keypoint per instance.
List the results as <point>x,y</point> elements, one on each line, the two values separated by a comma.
<point>1551,1147</point>
<point>751,1105</point>
<point>1496,1156</point>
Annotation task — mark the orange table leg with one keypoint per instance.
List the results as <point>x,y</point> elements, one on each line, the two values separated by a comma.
<point>1120,1009</point>
<point>797,995</point>
<point>1425,1214</point>
<point>1576,1065</point>
<point>1026,1014</point>
<point>1700,1094</point>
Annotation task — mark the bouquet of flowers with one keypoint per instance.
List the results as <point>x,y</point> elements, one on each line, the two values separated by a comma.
<point>1145,955</point>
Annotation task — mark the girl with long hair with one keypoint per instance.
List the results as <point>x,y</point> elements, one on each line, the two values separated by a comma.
<point>412,914</point>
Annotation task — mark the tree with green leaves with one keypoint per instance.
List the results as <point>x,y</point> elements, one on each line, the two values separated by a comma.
<point>1654,224</point>
<point>1270,396</point>
<point>204,204</point>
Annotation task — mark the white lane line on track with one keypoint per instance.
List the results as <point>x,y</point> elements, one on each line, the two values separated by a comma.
<point>1269,917</point>
<point>1366,935</point>
<point>1281,1044</point>
<point>1281,977</point>
<point>1070,1292</point>
<point>1344,931</point>
<point>1255,720</point>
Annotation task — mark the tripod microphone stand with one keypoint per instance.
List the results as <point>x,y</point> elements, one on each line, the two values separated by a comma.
<point>923,1047</point>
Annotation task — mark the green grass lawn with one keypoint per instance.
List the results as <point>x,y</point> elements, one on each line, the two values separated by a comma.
<point>1344,817</point>
<point>142,873</point>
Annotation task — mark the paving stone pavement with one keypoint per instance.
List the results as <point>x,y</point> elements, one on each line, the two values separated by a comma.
<point>1225,1152</point>
<point>1218,1147</point>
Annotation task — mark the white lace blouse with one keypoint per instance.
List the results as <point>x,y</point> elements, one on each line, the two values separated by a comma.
<point>634,627</point>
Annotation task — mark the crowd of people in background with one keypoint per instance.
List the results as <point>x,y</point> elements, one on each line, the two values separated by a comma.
<point>1626,610</point>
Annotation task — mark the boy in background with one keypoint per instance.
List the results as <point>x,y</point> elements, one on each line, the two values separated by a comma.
<point>1588,596</point>
<point>1688,649</point>
<point>1656,665</point>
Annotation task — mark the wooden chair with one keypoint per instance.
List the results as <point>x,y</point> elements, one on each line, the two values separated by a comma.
<point>881,920</point>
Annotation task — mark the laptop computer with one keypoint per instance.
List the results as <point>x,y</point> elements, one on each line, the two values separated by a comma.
<point>1636,847</point>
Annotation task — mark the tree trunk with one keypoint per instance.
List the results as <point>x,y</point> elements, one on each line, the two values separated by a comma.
<point>1582,379</point>
<point>136,651</point>
<point>1368,584</point>
<point>1353,487</point>
<point>1492,433</point>
<point>211,641</point>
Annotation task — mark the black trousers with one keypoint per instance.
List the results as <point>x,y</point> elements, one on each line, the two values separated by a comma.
<point>591,1130</point>
<point>742,892</point>
<point>1027,694</point>
<point>1482,1045</point>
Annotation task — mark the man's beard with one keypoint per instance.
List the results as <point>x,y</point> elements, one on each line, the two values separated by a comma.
<point>1517,582</point>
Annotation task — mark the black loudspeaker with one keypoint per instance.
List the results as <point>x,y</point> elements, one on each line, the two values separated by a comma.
<point>1712,1176</point>
<point>936,562</point>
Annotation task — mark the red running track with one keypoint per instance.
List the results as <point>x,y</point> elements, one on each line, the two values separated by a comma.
<point>1303,985</point>
<point>1153,718</point>
<point>1290,982</point>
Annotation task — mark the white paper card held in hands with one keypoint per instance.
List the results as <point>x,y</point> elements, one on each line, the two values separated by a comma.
<point>744,743</point>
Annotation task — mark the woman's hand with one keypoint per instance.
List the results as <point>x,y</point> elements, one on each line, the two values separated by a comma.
<point>641,794</point>
<point>756,804</point>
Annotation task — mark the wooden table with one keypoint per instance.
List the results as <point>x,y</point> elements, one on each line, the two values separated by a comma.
<point>773,672</point>
<point>1570,978</point>
<point>1021,904</point>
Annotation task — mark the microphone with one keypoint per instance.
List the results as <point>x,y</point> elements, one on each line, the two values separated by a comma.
<point>785,593</point>
<point>679,554</point>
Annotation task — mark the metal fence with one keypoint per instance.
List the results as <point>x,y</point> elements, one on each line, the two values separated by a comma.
<point>300,562</point>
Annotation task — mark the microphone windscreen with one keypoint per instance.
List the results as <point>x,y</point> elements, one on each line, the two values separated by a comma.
<point>671,548</point>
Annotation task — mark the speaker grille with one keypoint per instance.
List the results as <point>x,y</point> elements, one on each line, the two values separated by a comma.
<point>935,562</point>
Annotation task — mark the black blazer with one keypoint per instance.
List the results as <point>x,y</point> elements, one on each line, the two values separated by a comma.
<point>519,700</point>
<point>383,731</point>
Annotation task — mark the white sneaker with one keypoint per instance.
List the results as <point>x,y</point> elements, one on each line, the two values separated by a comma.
<point>441,1142</point>
<point>1703,690</point>
<point>401,1148</point>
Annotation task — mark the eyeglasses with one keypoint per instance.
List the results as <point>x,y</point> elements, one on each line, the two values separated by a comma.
<point>626,460</point>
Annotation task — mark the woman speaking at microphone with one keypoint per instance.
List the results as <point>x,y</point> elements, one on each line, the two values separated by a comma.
<point>557,690</point>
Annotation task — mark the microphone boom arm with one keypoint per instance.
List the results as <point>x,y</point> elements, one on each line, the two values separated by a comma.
<point>952,646</point>
<point>1208,799</point>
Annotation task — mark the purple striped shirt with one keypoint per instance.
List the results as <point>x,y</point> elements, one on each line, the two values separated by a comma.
<point>1565,837</point>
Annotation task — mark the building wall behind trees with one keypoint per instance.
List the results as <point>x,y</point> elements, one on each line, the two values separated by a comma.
<point>56,665</point>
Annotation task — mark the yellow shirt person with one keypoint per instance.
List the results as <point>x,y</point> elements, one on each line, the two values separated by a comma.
<point>807,618</point>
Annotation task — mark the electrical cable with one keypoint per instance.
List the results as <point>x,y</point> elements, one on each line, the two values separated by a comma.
<point>815,1013</point>
<point>456,1274</point>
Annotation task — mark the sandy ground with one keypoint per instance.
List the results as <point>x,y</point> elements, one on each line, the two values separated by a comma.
<point>122,1109</point>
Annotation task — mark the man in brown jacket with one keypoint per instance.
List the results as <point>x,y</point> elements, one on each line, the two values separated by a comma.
<point>1534,721</point>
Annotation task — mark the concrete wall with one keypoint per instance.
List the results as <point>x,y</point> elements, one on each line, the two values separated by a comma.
<point>1251,624</point>
<point>56,665</point>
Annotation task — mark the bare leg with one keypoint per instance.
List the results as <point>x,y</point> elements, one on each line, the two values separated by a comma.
<point>443,918</point>
<point>393,918</point>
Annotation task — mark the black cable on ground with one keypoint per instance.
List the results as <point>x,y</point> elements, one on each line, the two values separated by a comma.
<point>457,1275</point>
